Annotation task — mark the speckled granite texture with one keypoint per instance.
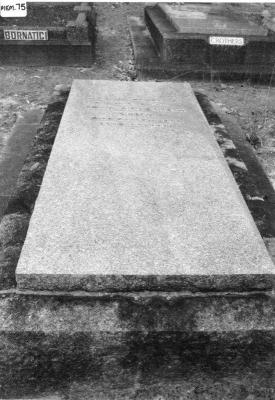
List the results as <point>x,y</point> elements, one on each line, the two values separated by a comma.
<point>137,196</point>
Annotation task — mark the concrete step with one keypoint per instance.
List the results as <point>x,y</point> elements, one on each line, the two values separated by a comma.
<point>136,345</point>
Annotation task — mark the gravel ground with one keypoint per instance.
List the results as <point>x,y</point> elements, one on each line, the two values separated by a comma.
<point>25,88</point>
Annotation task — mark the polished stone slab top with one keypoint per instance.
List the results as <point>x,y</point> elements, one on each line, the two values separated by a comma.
<point>137,196</point>
<point>213,19</point>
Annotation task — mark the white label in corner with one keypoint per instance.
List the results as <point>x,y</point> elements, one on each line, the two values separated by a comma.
<point>13,8</point>
<point>226,41</point>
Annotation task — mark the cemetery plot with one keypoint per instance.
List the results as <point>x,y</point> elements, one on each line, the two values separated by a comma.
<point>208,38</point>
<point>137,196</point>
<point>128,190</point>
<point>51,34</point>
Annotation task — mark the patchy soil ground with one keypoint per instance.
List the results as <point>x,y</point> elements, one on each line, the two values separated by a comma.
<point>24,88</point>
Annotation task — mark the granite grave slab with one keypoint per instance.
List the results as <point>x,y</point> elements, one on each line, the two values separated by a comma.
<point>137,196</point>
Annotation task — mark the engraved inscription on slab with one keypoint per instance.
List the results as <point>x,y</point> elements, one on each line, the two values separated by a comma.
<point>25,34</point>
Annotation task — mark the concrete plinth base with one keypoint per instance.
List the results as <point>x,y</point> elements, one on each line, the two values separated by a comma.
<point>135,346</point>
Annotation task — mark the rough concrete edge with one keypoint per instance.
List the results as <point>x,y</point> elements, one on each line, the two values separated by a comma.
<point>238,170</point>
<point>270,245</point>
<point>15,221</point>
<point>212,313</point>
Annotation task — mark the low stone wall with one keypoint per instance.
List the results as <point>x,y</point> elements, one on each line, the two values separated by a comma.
<point>80,29</point>
<point>73,44</point>
<point>14,224</point>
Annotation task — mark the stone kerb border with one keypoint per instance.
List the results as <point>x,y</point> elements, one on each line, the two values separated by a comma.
<point>15,222</point>
<point>249,174</point>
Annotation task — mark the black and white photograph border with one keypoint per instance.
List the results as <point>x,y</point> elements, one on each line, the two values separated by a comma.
<point>137,203</point>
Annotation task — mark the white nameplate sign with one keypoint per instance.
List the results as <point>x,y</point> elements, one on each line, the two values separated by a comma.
<point>226,41</point>
<point>25,34</point>
<point>13,8</point>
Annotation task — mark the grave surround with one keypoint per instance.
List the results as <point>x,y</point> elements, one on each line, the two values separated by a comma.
<point>137,196</point>
<point>181,37</point>
<point>71,45</point>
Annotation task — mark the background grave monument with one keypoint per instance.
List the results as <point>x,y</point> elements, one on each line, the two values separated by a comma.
<point>210,38</point>
<point>51,34</point>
